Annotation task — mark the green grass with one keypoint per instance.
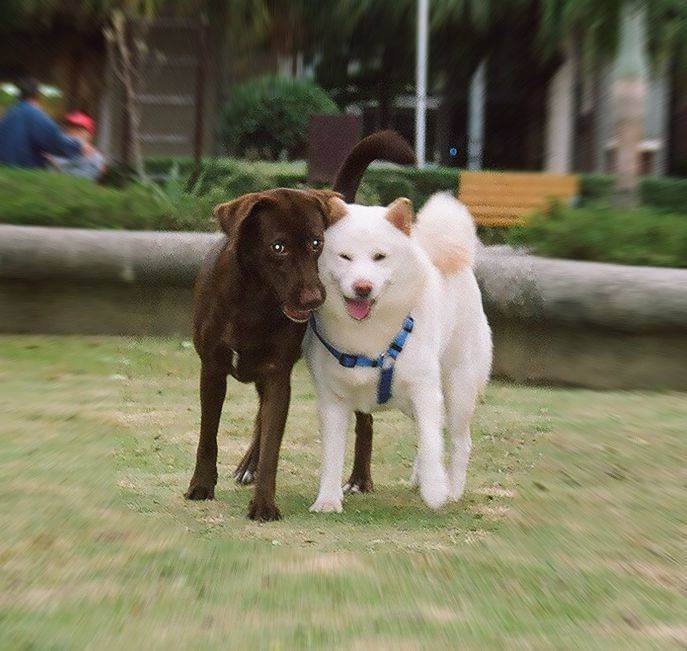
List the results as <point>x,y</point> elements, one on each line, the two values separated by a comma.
<point>571,534</point>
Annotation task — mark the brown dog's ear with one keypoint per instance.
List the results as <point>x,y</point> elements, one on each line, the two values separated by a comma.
<point>232,214</point>
<point>332,205</point>
<point>400,214</point>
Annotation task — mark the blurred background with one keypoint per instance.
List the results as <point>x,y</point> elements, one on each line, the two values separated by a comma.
<point>539,73</point>
<point>179,90</point>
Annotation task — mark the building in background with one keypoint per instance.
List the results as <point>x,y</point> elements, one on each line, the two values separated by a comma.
<point>511,108</point>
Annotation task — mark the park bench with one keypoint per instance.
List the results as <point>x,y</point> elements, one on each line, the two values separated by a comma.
<point>505,198</point>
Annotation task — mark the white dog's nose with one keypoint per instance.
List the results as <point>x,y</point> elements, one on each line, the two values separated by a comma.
<point>362,288</point>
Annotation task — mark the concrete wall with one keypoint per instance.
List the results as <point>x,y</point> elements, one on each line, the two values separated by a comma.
<point>554,321</point>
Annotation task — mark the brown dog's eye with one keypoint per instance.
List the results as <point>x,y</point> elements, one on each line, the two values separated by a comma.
<point>379,256</point>
<point>316,244</point>
<point>279,247</point>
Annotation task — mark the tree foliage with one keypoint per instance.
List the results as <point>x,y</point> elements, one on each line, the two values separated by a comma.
<point>270,116</point>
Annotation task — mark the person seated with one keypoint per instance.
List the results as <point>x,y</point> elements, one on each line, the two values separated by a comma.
<point>89,165</point>
<point>28,135</point>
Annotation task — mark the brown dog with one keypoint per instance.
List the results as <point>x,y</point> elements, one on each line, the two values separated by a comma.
<point>253,298</point>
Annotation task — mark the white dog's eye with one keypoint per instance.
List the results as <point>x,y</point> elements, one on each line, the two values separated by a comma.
<point>378,256</point>
<point>345,256</point>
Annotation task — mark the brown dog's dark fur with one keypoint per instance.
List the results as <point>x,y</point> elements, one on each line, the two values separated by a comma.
<point>264,270</point>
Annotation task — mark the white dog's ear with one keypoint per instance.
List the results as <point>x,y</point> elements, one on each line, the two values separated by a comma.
<point>400,214</point>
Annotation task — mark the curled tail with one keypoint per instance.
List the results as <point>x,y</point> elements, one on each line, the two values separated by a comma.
<point>383,145</point>
<point>446,231</point>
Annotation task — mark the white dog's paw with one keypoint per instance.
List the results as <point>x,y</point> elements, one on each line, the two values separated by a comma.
<point>434,490</point>
<point>327,504</point>
<point>457,488</point>
<point>455,494</point>
<point>459,475</point>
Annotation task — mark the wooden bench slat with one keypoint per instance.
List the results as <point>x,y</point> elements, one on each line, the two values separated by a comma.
<point>498,221</point>
<point>500,190</point>
<point>500,211</point>
<point>514,201</point>
<point>517,178</point>
<point>506,198</point>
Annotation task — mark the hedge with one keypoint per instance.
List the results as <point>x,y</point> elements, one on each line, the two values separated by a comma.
<point>380,184</point>
<point>663,192</point>
<point>40,198</point>
<point>639,236</point>
<point>595,187</point>
<point>666,193</point>
<point>388,183</point>
<point>593,232</point>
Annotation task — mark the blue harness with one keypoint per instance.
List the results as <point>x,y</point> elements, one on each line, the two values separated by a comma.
<point>385,361</point>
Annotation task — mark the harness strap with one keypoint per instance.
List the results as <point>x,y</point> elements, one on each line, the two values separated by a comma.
<point>386,360</point>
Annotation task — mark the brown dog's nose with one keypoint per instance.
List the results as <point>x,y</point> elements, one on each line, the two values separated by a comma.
<point>362,288</point>
<point>310,298</point>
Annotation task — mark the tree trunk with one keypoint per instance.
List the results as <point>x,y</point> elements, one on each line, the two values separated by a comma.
<point>629,96</point>
<point>560,115</point>
<point>125,66</point>
<point>476,111</point>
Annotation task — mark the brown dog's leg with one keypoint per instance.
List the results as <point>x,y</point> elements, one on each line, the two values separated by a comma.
<point>360,480</point>
<point>275,408</point>
<point>245,471</point>
<point>213,389</point>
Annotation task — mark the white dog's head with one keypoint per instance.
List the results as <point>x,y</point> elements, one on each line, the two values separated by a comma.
<point>369,263</point>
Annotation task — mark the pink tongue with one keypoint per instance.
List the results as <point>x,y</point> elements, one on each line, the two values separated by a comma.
<point>358,308</point>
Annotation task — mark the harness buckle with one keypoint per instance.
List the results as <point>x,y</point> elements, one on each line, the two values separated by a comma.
<point>348,361</point>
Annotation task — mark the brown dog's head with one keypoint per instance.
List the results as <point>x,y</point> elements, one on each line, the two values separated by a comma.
<point>278,237</point>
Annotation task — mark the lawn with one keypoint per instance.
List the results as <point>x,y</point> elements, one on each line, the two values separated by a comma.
<point>571,534</point>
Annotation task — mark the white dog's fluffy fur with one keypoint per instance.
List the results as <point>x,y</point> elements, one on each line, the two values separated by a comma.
<point>425,270</point>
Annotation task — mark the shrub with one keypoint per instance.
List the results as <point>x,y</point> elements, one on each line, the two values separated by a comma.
<point>367,195</point>
<point>665,193</point>
<point>390,185</point>
<point>42,198</point>
<point>269,116</point>
<point>640,236</point>
<point>416,184</point>
<point>430,180</point>
<point>595,187</point>
<point>380,184</point>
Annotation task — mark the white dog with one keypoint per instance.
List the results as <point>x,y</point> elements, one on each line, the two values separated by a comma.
<point>379,268</point>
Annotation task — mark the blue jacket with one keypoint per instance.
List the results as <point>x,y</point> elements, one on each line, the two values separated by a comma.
<point>26,133</point>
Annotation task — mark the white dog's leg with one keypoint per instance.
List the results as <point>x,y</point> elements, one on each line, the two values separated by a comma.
<point>414,474</point>
<point>335,418</point>
<point>460,394</point>
<point>428,410</point>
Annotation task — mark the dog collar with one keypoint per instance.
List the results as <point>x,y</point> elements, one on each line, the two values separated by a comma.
<point>385,361</point>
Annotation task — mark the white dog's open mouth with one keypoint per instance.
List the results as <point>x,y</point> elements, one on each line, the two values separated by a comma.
<point>358,308</point>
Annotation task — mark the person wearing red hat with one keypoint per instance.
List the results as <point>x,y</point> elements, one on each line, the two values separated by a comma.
<point>89,165</point>
<point>28,136</point>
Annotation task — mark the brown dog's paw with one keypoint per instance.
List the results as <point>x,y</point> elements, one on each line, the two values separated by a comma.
<point>263,511</point>
<point>358,485</point>
<point>199,491</point>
